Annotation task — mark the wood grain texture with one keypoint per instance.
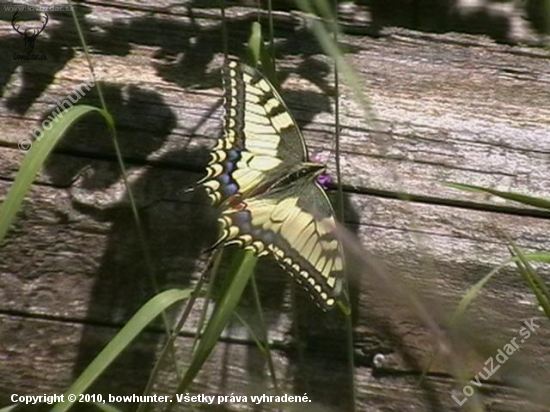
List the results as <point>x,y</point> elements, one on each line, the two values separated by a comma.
<point>448,107</point>
<point>238,369</point>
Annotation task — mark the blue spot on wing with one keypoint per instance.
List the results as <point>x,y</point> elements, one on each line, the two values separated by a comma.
<point>230,189</point>
<point>242,220</point>
<point>229,166</point>
<point>269,237</point>
<point>233,155</point>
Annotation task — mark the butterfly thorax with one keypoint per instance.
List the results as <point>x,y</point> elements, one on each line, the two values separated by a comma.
<point>303,171</point>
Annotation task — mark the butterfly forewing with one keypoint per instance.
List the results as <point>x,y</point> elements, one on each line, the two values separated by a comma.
<point>260,140</point>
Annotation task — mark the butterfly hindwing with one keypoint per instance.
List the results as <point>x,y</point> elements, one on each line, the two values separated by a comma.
<point>295,224</point>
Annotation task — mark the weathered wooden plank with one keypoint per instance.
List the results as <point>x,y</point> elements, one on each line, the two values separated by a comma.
<point>47,365</point>
<point>435,251</point>
<point>436,121</point>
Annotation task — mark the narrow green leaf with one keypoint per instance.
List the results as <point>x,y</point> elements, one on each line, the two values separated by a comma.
<point>143,317</point>
<point>537,257</point>
<point>36,157</point>
<point>461,308</point>
<point>255,44</point>
<point>516,197</point>
<point>474,290</point>
<point>258,53</point>
<point>242,268</point>
<point>472,293</point>
<point>535,282</point>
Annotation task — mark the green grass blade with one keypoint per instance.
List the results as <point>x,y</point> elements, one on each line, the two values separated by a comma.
<point>143,317</point>
<point>242,268</point>
<point>516,197</point>
<point>216,261</point>
<point>532,278</point>
<point>534,281</point>
<point>543,257</point>
<point>259,53</point>
<point>472,293</point>
<point>264,337</point>
<point>36,157</point>
<point>9,408</point>
<point>463,305</point>
<point>255,44</point>
<point>474,290</point>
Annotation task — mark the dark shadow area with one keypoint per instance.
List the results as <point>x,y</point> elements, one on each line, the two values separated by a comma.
<point>538,13</point>
<point>58,42</point>
<point>487,17</point>
<point>185,49</point>
<point>439,16</point>
<point>175,230</point>
<point>143,122</point>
